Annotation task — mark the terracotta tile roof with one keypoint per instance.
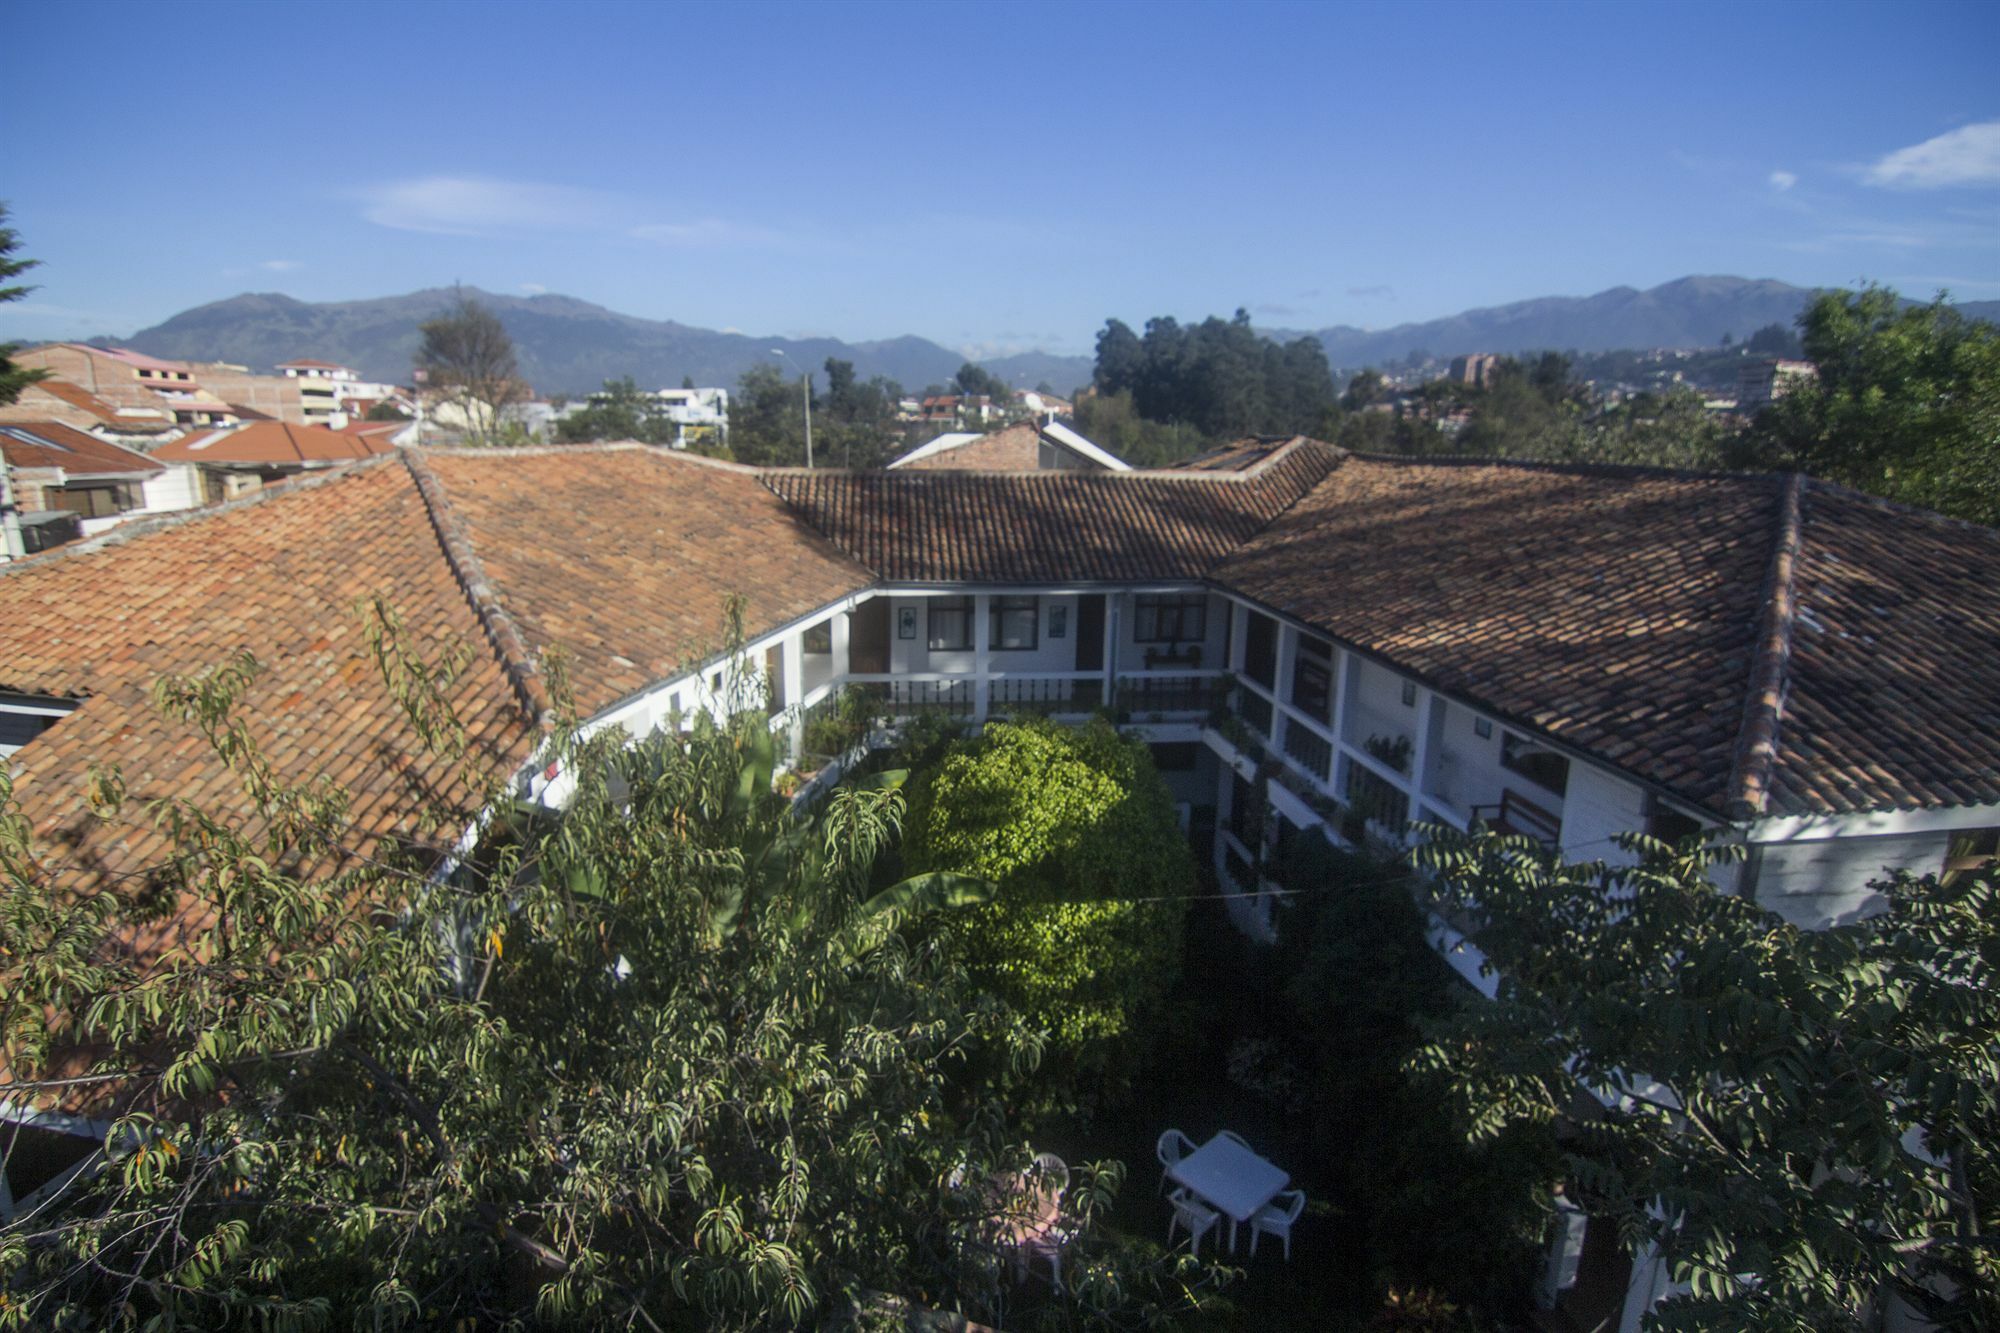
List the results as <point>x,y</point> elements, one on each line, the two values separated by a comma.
<point>82,399</point>
<point>1614,609</point>
<point>1239,456</point>
<point>1758,645</point>
<point>1012,449</point>
<point>626,555</point>
<point>280,574</point>
<point>40,444</point>
<point>277,443</point>
<point>1893,693</point>
<point>1047,527</point>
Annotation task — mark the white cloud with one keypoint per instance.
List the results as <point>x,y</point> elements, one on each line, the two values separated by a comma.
<point>478,205</point>
<point>533,288</point>
<point>278,265</point>
<point>1969,155</point>
<point>1783,180</point>
<point>707,233</point>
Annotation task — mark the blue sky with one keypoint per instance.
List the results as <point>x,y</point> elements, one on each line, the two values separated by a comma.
<point>991,176</point>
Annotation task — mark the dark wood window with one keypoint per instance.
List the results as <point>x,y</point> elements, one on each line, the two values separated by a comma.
<point>1169,617</point>
<point>1534,761</point>
<point>818,639</point>
<point>1312,678</point>
<point>950,624</point>
<point>1013,623</point>
<point>1260,650</point>
<point>90,501</point>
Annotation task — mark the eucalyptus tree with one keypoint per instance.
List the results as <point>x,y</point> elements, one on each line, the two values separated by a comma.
<point>1803,1122</point>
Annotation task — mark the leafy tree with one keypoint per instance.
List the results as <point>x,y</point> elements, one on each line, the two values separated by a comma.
<point>1800,1120</point>
<point>467,357</point>
<point>1906,404</point>
<point>976,380</point>
<point>767,422</point>
<point>664,1060</point>
<point>13,378</point>
<point>386,411</point>
<point>1773,340</point>
<point>1110,420</point>
<point>1366,387</point>
<point>620,411</point>
<point>1078,830</point>
<point>1220,376</point>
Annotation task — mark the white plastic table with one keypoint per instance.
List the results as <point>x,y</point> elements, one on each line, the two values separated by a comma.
<point>1231,1177</point>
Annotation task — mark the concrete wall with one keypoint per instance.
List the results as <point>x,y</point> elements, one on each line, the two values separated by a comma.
<point>177,488</point>
<point>1048,654</point>
<point>1465,768</point>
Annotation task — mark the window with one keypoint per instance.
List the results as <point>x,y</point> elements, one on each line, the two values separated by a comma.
<point>1013,623</point>
<point>1312,677</point>
<point>1176,756</point>
<point>1536,762</point>
<point>950,624</point>
<point>1169,617</point>
<point>90,501</point>
<point>1668,824</point>
<point>1260,650</point>
<point>818,639</point>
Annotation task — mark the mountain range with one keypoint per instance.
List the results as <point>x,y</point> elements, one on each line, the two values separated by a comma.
<point>568,346</point>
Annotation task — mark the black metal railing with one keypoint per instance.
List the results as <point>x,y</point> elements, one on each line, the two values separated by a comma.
<point>1170,694</point>
<point>953,698</point>
<point>1016,697</point>
<point>1312,751</point>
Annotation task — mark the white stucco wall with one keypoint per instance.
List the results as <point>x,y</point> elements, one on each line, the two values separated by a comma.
<point>1825,882</point>
<point>1375,705</point>
<point>176,488</point>
<point>1465,769</point>
<point>1132,653</point>
<point>1596,806</point>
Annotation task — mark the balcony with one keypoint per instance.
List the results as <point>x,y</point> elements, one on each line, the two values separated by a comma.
<point>1309,749</point>
<point>1194,694</point>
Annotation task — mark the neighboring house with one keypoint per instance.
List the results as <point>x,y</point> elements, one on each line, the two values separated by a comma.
<point>1025,447</point>
<point>1042,406</point>
<point>1312,641</point>
<point>223,464</point>
<point>127,379</point>
<point>1761,383</point>
<point>66,484</point>
<point>77,407</point>
<point>386,434</point>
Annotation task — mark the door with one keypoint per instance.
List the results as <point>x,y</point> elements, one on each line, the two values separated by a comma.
<point>868,638</point>
<point>1090,632</point>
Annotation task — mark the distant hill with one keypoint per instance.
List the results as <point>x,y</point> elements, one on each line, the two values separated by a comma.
<point>565,345</point>
<point>1688,312</point>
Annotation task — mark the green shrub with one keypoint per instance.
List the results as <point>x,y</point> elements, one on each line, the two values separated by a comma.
<point>1078,830</point>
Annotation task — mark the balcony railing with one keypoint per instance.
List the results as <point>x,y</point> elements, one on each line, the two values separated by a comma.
<point>1024,695</point>
<point>1377,798</point>
<point>1255,709</point>
<point>1194,693</point>
<point>1312,751</point>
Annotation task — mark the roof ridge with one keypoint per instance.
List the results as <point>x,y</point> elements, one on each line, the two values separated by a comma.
<point>132,529</point>
<point>502,631</point>
<point>1558,465</point>
<point>1756,755</point>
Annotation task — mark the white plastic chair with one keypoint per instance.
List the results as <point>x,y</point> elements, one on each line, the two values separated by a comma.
<point>1277,1217</point>
<point>1197,1217</point>
<point>1049,1172</point>
<point>1172,1146</point>
<point>1235,1138</point>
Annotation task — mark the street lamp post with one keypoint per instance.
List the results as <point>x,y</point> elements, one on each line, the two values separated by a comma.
<point>806,390</point>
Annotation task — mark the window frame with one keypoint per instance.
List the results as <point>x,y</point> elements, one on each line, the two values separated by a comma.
<point>1317,660</point>
<point>963,608</point>
<point>999,608</point>
<point>1510,740</point>
<point>1151,605</point>
<point>821,633</point>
